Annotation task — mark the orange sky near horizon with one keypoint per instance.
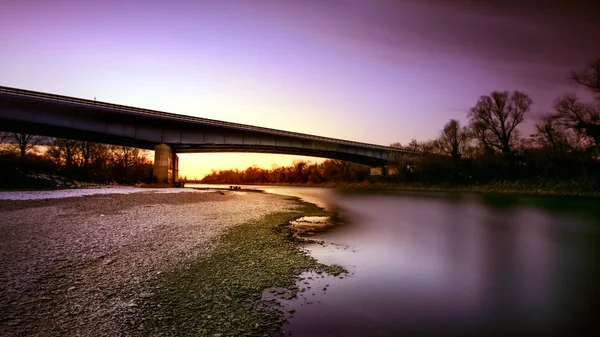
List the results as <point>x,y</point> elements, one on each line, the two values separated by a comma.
<point>377,72</point>
<point>197,165</point>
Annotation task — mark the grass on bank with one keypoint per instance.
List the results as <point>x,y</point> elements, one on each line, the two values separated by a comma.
<point>221,295</point>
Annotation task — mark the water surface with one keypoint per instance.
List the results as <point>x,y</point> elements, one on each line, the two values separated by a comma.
<point>446,264</point>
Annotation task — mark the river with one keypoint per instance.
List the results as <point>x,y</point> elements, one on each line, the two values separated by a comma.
<point>451,264</point>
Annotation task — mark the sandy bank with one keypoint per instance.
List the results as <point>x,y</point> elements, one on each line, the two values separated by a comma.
<point>81,266</point>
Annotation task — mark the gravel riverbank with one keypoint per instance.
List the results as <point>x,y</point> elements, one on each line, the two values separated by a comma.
<point>84,265</point>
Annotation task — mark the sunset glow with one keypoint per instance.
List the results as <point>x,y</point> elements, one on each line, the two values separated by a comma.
<point>376,72</point>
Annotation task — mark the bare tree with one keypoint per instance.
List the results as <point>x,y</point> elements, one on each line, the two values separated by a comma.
<point>4,142</point>
<point>550,133</point>
<point>414,145</point>
<point>428,146</point>
<point>126,158</point>
<point>578,116</point>
<point>25,142</point>
<point>64,152</point>
<point>86,149</point>
<point>495,118</point>
<point>589,77</point>
<point>454,140</point>
<point>581,117</point>
<point>480,132</point>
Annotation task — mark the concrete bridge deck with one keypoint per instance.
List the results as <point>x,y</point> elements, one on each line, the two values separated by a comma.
<point>75,118</point>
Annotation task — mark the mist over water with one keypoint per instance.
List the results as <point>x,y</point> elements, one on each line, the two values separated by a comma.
<point>429,264</point>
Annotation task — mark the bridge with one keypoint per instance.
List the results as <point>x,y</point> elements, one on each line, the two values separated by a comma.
<point>167,134</point>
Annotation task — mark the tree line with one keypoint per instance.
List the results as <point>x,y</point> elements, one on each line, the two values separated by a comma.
<point>301,172</point>
<point>565,147</point>
<point>30,161</point>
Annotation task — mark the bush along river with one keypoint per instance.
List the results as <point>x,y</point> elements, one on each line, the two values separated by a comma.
<point>449,264</point>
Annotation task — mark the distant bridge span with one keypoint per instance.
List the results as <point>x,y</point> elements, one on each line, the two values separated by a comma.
<point>166,133</point>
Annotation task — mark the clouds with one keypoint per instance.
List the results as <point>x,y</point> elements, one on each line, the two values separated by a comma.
<point>417,62</point>
<point>505,34</point>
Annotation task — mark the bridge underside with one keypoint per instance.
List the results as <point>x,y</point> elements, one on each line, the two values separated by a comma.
<point>66,117</point>
<point>204,148</point>
<point>69,133</point>
<point>64,132</point>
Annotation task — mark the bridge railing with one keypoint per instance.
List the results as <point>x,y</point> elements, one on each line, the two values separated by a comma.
<point>213,122</point>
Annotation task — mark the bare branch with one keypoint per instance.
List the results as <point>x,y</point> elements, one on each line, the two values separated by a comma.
<point>589,77</point>
<point>454,139</point>
<point>26,142</point>
<point>494,118</point>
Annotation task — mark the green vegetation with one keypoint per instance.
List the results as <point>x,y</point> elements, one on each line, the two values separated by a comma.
<point>222,294</point>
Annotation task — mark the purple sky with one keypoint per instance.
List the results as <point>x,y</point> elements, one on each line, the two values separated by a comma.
<point>371,71</point>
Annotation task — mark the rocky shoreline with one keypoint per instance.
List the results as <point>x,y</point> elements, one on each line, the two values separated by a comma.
<point>86,265</point>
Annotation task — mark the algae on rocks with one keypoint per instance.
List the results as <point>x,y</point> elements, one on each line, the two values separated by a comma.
<point>222,293</point>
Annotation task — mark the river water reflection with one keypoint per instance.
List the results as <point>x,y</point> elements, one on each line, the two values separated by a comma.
<point>429,264</point>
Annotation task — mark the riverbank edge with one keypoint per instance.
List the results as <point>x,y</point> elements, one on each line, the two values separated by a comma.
<point>222,294</point>
<point>505,188</point>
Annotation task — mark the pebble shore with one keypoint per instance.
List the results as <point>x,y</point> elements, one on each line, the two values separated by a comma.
<point>83,265</point>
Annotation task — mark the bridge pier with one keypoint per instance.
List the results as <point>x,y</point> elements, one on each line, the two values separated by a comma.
<point>52,115</point>
<point>166,165</point>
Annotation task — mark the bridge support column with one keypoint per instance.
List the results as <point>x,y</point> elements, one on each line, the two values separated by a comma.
<point>166,165</point>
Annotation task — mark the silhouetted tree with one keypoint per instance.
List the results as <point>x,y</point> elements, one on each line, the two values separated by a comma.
<point>64,152</point>
<point>480,132</point>
<point>495,118</point>
<point>25,142</point>
<point>129,163</point>
<point>551,134</point>
<point>589,77</point>
<point>454,140</point>
<point>300,172</point>
<point>580,117</point>
<point>4,142</point>
<point>429,146</point>
<point>87,150</point>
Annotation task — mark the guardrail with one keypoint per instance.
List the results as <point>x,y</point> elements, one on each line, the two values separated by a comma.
<point>213,122</point>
